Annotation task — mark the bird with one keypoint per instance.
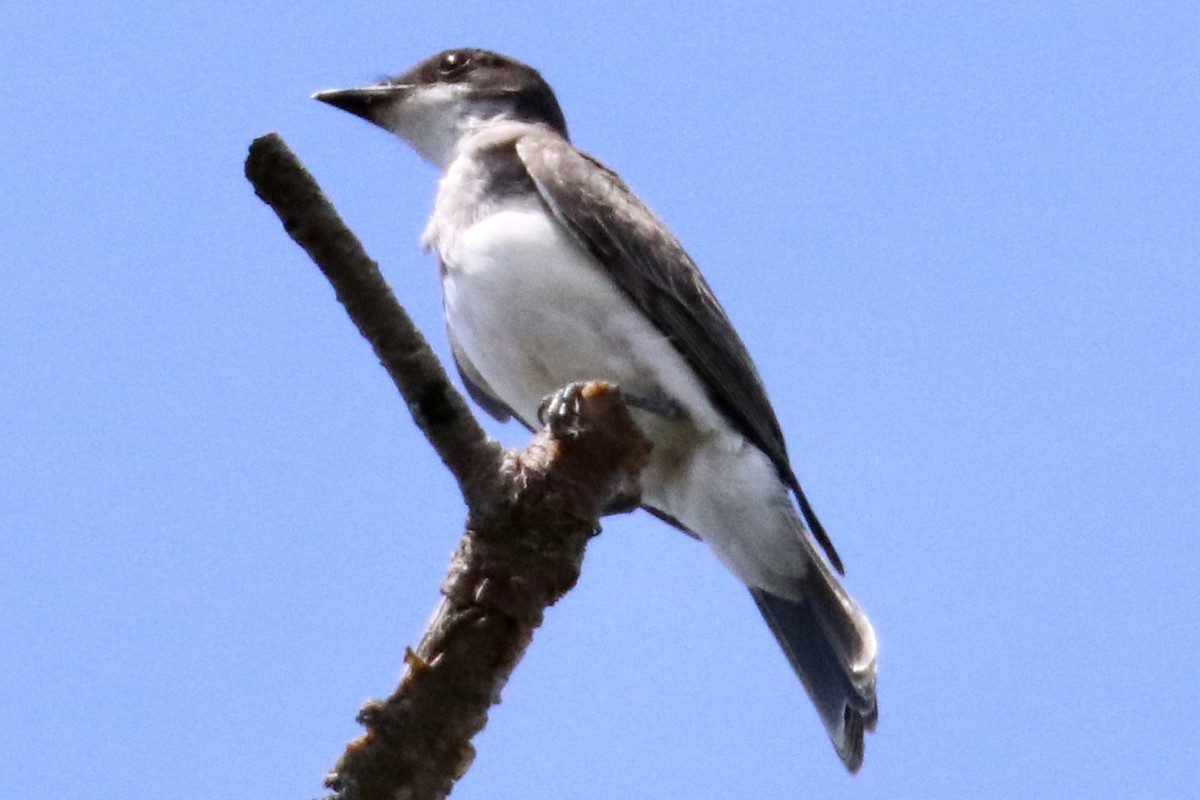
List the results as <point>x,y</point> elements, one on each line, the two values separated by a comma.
<point>554,272</point>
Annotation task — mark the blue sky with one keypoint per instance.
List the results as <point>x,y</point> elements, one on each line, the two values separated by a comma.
<point>962,242</point>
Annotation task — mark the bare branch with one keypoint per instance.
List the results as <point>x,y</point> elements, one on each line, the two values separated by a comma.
<point>283,183</point>
<point>530,515</point>
<point>508,569</point>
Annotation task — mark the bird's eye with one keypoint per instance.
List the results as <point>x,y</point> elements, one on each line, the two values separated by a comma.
<point>452,63</point>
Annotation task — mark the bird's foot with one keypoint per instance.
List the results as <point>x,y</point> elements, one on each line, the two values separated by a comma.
<point>564,415</point>
<point>562,403</point>
<point>561,410</point>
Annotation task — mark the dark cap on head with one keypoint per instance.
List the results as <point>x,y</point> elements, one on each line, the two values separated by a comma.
<point>491,75</point>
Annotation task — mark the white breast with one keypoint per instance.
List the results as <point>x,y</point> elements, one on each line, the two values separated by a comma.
<point>533,311</point>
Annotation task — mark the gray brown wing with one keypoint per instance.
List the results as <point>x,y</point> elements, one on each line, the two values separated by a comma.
<point>476,386</point>
<point>653,269</point>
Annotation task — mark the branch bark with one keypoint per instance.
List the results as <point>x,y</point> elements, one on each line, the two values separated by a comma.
<point>530,514</point>
<point>282,182</point>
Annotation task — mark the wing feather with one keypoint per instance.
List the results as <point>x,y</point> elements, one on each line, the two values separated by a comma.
<point>477,387</point>
<point>657,274</point>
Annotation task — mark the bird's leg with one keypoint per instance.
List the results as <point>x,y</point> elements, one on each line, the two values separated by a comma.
<point>658,404</point>
<point>568,397</point>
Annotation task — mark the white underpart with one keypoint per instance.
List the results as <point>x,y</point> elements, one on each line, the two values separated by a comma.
<point>532,311</point>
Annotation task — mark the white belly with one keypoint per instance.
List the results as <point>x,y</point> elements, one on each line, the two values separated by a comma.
<point>532,311</point>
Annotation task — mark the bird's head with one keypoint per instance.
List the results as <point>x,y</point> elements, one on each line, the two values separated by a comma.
<point>449,95</point>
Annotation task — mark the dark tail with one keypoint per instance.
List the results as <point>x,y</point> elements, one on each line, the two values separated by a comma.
<point>831,646</point>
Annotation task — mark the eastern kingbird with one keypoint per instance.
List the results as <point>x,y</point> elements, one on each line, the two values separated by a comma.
<point>553,271</point>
